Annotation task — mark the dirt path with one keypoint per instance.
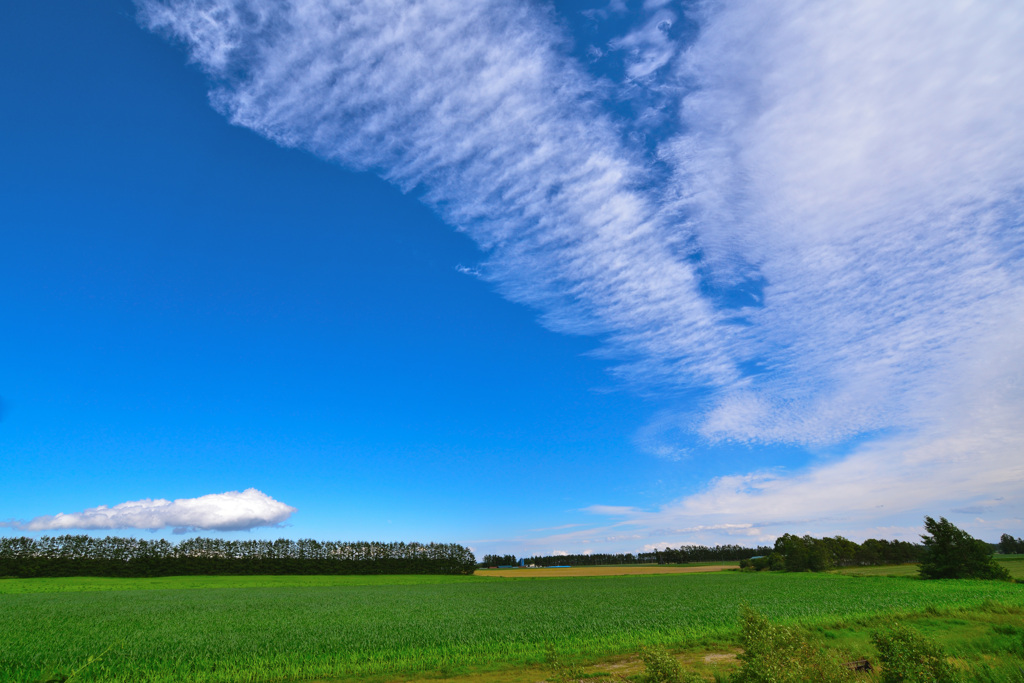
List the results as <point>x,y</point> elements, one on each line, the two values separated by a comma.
<point>613,670</point>
<point>600,571</point>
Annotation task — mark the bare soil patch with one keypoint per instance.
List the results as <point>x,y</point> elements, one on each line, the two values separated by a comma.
<point>524,573</point>
<point>715,657</point>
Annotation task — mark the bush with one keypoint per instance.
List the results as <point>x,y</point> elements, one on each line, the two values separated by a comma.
<point>909,657</point>
<point>776,654</point>
<point>661,667</point>
<point>561,671</point>
<point>772,562</point>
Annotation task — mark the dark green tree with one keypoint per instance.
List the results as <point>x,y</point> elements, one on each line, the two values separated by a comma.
<point>804,553</point>
<point>499,560</point>
<point>1008,545</point>
<point>952,553</point>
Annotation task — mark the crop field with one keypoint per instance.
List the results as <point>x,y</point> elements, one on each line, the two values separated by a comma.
<point>300,628</point>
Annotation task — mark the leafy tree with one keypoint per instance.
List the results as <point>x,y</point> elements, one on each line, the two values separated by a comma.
<point>839,551</point>
<point>951,553</point>
<point>804,553</point>
<point>1009,545</point>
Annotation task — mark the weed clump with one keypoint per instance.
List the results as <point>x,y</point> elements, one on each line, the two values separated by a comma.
<point>561,671</point>
<point>661,667</point>
<point>909,657</point>
<point>777,654</point>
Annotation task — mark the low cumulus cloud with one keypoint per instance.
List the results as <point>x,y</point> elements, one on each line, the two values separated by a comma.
<point>230,511</point>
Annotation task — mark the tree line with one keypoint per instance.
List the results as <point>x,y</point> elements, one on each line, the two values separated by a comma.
<point>1008,545</point>
<point>806,553</point>
<point>945,552</point>
<point>681,555</point>
<point>703,553</point>
<point>80,555</point>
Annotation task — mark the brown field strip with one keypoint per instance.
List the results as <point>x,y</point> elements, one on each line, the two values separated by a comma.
<point>598,571</point>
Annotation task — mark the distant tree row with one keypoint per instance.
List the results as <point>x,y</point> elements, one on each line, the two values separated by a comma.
<point>682,555</point>
<point>703,553</point>
<point>1008,545</point>
<point>128,557</point>
<point>946,552</point>
<point>499,561</point>
<point>806,553</point>
<point>591,560</point>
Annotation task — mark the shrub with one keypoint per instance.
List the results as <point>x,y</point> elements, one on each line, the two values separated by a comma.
<point>661,667</point>
<point>772,562</point>
<point>777,654</point>
<point>909,657</point>
<point>561,671</point>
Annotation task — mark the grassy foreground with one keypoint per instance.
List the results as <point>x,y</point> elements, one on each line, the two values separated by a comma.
<point>294,628</point>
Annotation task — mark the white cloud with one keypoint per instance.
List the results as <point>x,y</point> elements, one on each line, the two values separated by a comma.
<point>968,467</point>
<point>883,489</point>
<point>230,511</point>
<point>474,105</point>
<point>865,161</point>
<point>613,510</point>
<point>648,47</point>
<point>856,166</point>
<point>857,496</point>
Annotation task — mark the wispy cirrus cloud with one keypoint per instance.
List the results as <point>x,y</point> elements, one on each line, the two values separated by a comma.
<point>862,161</point>
<point>649,47</point>
<point>477,109</point>
<point>829,244</point>
<point>230,511</point>
<point>860,166</point>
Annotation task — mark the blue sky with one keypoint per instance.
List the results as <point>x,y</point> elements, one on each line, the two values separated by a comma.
<point>530,277</point>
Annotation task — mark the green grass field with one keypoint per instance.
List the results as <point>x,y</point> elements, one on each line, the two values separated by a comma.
<point>1013,563</point>
<point>296,628</point>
